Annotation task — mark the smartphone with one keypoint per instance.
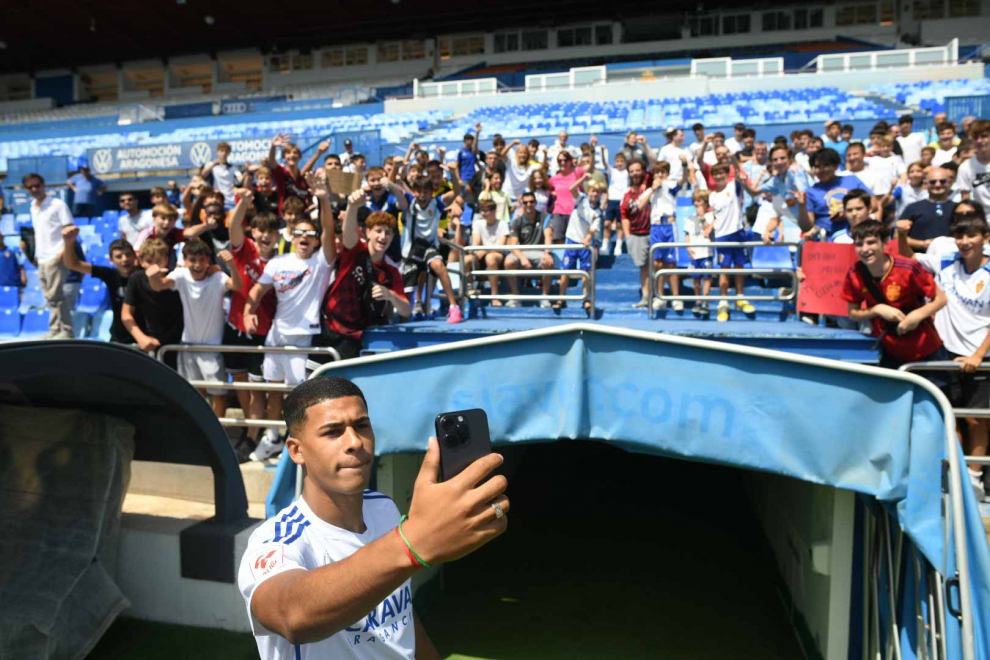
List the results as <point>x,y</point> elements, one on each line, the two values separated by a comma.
<point>464,438</point>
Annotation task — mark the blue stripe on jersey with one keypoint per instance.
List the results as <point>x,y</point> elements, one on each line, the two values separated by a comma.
<point>298,533</point>
<point>285,516</point>
<point>288,526</point>
<point>298,653</point>
<point>377,497</point>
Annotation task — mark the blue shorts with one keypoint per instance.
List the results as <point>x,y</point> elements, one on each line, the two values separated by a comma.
<point>664,234</point>
<point>732,257</point>
<point>702,263</point>
<point>613,210</point>
<point>577,259</point>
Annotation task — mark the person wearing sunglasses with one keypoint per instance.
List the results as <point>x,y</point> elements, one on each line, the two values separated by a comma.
<point>49,215</point>
<point>930,218</point>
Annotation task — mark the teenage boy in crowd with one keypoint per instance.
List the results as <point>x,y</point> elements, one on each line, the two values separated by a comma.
<point>124,262</point>
<point>339,584</point>
<point>164,217</point>
<point>221,175</point>
<point>300,279</point>
<point>663,226</point>
<point>930,217</point>
<point>490,231</point>
<point>730,226</point>
<point>832,139</point>
<point>201,293</point>
<point>585,222</point>
<point>910,141</point>
<point>153,318</point>
<point>636,227</point>
<point>856,206</point>
<point>964,323</point>
<point>527,228</point>
<point>946,145</point>
<point>467,155</point>
<point>251,255</point>
<point>824,207</point>
<point>698,231</point>
<point>366,289</point>
<point>382,193</point>
<point>974,173</point>
<point>132,221</point>
<point>894,290</point>
<point>289,180</point>
<point>421,246</point>
<point>735,143</point>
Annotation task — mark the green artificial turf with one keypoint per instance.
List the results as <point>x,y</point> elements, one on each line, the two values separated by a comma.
<point>132,638</point>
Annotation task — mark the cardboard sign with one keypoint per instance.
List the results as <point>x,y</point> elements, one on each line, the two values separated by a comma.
<point>343,183</point>
<point>825,266</point>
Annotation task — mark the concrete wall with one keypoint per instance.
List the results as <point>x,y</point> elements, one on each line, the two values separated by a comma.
<point>810,529</point>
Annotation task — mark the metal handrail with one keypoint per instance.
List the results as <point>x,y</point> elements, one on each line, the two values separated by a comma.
<point>975,413</point>
<point>589,276</point>
<point>656,291</point>
<point>282,388</point>
<point>954,521</point>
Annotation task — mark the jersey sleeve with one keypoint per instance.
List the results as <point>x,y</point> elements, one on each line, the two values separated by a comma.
<point>925,282</point>
<point>932,263</point>
<point>102,273</point>
<point>268,276</point>
<point>850,291</point>
<point>262,561</point>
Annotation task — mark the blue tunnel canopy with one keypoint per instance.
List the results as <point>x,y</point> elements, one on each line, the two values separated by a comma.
<point>876,432</point>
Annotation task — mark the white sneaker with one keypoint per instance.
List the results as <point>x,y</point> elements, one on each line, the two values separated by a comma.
<point>513,303</point>
<point>618,248</point>
<point>659,304</point>
<point>418,309</point>
<point>976,480</point>
<point>270,445</point>
<point>545,304</point>
<point>677,305</point>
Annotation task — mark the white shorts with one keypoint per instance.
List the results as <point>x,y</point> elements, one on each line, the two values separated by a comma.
<point>203,366</point>
<point>281,368</point>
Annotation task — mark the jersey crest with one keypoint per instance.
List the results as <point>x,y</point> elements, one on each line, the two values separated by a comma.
<point>893,292</point>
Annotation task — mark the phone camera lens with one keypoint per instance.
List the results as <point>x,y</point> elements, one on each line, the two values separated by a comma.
<point>448,424</point>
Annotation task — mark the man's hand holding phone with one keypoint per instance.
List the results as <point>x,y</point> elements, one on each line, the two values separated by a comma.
<point>453,518</point>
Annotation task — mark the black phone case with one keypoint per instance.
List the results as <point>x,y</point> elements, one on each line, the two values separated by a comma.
<point>458,451</point>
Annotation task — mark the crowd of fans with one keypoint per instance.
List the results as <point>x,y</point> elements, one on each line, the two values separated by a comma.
<point>291,254</point>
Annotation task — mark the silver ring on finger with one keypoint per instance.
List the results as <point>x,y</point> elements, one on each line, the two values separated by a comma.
<point>498,510</point>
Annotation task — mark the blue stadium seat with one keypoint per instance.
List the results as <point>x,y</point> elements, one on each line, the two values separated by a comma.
<point>772,257</point>
<point>9,297</point>
<point>32,298</point>
<point>35,323</point>
<point>10,323</point>
<point>80,221</point>
<point>93,298</point>
<point>8,225</point>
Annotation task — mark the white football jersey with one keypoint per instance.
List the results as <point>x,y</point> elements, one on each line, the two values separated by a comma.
<point>964,321</point>
<point>296,538</point>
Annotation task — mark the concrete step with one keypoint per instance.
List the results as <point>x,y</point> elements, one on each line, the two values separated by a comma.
<point>195,483</point>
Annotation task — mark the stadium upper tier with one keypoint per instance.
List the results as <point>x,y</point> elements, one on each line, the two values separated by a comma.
<point>73,137</point>
<point>930,95</point>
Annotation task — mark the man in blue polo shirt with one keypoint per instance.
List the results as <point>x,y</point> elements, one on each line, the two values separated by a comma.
<point>85,188</point>
<point>825,197</point>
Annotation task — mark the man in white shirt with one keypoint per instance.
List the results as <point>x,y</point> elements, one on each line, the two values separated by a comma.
<point>132,221</point>
<point>49,215</point>
<point>734,143</point>
<point>676,155</point>
<point>947,143</point>
<point>974,174</point>
<point>558,146</point>
<point>223,175</point>
<point>345,155</point>
<point>330,575</point>
<point>911,143</point>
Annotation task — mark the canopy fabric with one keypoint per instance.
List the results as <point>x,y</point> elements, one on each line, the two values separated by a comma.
<point>872,431</point>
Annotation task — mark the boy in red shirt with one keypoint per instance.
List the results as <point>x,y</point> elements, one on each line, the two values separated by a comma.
<point>366,289</point>
<point>635,213</point>
<point>895,290</point>
<point>250,256</point>
<point>289,180</point>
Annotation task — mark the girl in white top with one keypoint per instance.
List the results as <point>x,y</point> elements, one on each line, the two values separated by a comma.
<point>493,191</point>
<point>618,184</point>
<point>912,191</point>
<point>517,172</point>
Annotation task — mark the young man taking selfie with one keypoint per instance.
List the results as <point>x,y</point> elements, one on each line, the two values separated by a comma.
<point>330,575</point>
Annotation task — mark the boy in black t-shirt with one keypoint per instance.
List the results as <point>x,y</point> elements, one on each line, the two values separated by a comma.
<point>116,278</point>
<point>153,318</point>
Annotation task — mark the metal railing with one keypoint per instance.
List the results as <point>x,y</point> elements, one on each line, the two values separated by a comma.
<point>974,413</point>
<point>656,291</point>
<point>282,388</point>
<point>587,276</point>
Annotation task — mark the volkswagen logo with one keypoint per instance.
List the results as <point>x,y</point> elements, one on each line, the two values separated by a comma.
<point>200,153</point>
<point>102,161</point>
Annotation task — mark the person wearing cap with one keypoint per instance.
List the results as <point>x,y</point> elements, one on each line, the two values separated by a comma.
<point>735,143</point>
<point>345,155</point>
<point>85,189</point>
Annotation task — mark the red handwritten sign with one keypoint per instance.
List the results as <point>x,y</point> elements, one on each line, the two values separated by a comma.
<point>825,266</point>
